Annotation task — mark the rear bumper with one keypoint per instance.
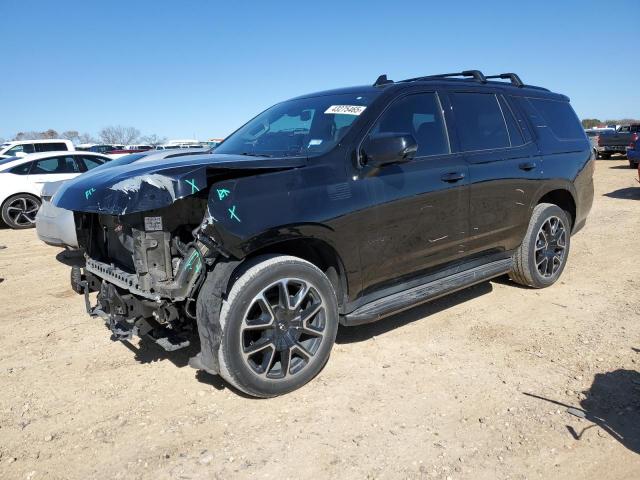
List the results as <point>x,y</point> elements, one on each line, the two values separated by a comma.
<point>56,226</point>
<point>612,149</point>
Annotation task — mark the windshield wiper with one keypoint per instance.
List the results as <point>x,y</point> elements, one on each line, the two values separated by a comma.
<point>249,154</point>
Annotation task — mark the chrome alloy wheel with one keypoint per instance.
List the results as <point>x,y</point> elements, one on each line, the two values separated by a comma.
<point>551,246</point>
<point>282,328</point>
<point>22,211</point>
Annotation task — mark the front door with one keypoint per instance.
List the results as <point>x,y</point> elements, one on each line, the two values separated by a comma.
<point>416,219</point>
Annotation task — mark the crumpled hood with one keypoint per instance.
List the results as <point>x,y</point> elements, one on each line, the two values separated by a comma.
<point>148,185</point>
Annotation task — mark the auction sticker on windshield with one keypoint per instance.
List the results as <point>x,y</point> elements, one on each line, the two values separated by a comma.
<point>345,109</point>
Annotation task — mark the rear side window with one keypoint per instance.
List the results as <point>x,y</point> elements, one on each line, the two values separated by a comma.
<point>420,115</point>
<point>55,165</point>
<point>51,147</point>
<point>90,162</point>
<point>22,169</point>
<point>479,121</point>
<point>559,117</point>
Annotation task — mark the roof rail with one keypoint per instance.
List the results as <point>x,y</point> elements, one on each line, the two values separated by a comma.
<point>476,74</point>
<point>515,79</point>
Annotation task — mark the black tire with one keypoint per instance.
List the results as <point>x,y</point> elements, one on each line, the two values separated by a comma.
<point>289,350</point>
<point>19,211</point>
<point>538,262</point>
<point>633,165</point>
<point>605,156</point>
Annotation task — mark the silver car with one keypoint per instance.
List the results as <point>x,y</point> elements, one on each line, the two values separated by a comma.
<point>56,226</point>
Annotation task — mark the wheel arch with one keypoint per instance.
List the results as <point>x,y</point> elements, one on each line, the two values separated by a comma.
<point>316,251</point>
<point>563,198</point>
<point>7,197</point>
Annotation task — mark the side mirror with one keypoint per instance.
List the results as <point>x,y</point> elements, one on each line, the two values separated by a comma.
<point>387,148</point>
<point>19,154</point>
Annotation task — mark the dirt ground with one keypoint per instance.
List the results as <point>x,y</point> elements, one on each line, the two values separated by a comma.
<point>472,386</point>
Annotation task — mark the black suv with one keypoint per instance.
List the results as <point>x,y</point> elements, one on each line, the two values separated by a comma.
<point>343,206</point>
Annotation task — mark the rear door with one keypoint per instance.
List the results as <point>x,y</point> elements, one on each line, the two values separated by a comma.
<point>504,166</point>
<point>53,169</point>
<point>418,210</point>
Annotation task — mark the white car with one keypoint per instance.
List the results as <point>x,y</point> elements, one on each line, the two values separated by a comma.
<point>56,226</point>
<point>20,148</point>
<point>22,180</point>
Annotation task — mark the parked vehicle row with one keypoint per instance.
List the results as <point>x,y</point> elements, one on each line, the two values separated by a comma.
<point>23,178</point>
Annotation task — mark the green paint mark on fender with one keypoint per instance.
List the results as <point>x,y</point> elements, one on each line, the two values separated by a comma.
<point>232,213</point>
<point>222,192</point>
<point>194,187</point>
<point>88,193</point>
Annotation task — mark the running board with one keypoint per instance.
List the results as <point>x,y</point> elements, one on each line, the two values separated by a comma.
<point>397,302</point>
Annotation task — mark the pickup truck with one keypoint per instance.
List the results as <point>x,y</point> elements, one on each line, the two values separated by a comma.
<point>610,143</point>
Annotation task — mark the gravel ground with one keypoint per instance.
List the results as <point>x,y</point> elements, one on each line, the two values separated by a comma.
<point>473,386</point>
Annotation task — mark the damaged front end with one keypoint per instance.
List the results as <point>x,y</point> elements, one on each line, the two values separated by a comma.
<point>150,237</point>
<point>147,269</point>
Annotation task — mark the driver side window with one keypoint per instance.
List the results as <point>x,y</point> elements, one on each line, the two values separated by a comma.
<point>419,115</point>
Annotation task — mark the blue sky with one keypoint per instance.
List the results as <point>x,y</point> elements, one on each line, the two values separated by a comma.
<point>202,68</point>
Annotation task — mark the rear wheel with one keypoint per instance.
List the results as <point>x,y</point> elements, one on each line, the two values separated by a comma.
<point>540,259</point>
<point>279,324</point>
<point>632,164</point>
<point>19,211</point>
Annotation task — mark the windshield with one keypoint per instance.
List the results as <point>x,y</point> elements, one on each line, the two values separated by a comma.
<point>306,126</point>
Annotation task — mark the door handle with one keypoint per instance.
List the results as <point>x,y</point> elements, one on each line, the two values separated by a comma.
<point>526,166</point>
<point>452,177</point>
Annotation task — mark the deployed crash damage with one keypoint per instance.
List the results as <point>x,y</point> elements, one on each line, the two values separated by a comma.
<point>151,231</point>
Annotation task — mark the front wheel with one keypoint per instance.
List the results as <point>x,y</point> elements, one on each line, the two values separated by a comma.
<point>279,323</point>
<point>19,211</point>
<point>540,259</point>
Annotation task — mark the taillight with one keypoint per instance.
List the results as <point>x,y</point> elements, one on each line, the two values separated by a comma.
<point>634,139</point>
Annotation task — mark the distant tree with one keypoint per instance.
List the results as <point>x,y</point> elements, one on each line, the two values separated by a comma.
<point>28,136</point>
<point>590,122</point>
<point>51,133</point>
<point>119,135</point>
<point>153,139</point>
<point>72,135</point>
<point>621,121</point>
<point>86,138</point>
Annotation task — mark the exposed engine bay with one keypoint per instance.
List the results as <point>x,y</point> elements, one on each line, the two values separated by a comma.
<point>147,268</point>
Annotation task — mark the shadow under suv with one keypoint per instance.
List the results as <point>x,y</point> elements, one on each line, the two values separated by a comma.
<point>343,206</point>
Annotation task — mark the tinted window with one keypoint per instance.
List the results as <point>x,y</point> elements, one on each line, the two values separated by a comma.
<point>559,117</point>
<point>421,116</point>
<point>24,148</point>
<point>55,165</point>
<point>51,147</point>
<point>22,169</point>
<point>90,162</point>
<point>479,121</point>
